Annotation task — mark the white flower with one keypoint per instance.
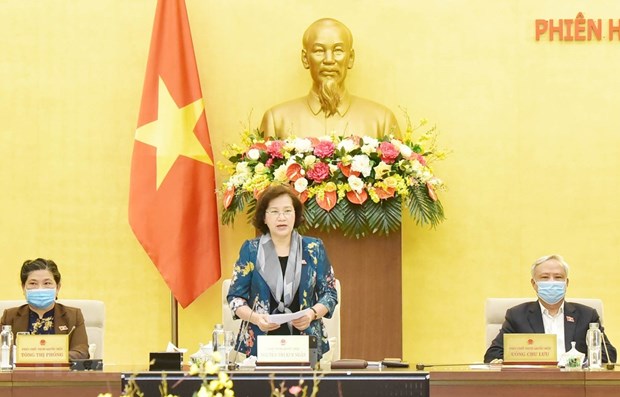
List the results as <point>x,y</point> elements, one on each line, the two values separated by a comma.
<point>242,168</point>
<point>253,154</point>
<point>301,184</point>
<point>239,179</point>
<point>309,160</point>
<point>293,159</point>
<point>333,168</point>
<point>302,145</point>
<point>347,144</point>
<point>425,176</point>
<point>356,184</point>
<point>405,151</point>
<point>372,142</point>
<point>361,163</point>
<point>280,173</point>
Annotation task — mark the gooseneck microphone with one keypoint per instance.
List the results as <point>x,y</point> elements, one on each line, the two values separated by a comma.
<point>610,366</point>
<point>243,327</point>
<point>421,366</point>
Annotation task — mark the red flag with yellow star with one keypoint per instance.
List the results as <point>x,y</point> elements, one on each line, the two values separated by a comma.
<point>172,201</point>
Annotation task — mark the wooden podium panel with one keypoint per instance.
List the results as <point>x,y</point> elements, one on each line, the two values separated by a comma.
<point>369,270</point>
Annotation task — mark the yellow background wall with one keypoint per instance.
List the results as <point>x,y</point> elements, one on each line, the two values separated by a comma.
<point>534,129</point>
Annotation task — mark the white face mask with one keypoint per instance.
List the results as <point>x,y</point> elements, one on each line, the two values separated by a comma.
<point>551,291</point>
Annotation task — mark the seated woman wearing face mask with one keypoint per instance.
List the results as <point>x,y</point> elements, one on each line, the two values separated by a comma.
<point>42,315</point>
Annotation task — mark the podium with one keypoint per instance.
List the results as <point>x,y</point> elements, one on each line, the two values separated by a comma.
<point>369,270</point>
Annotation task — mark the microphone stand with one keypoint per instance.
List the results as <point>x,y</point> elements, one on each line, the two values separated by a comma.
<point>231,366</point>
<point>610,366</point>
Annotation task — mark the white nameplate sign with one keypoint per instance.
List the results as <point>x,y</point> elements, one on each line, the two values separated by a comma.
<point>283,349</point>
<point>530,348</point>
<point>36,349</point>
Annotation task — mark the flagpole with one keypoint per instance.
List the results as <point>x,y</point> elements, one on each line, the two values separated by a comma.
<point>174,320</point>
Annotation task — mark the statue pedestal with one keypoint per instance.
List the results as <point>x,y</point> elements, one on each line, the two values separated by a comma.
<point>369,271</point>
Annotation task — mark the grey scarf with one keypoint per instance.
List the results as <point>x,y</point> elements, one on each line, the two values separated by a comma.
<point>269,268</point>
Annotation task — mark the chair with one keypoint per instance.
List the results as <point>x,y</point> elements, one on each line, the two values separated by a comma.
<point>332,325</point>
<point>495,312</point>
<point>94,318</point>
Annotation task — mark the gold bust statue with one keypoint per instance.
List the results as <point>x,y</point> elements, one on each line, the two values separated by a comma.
<point>329,107</point>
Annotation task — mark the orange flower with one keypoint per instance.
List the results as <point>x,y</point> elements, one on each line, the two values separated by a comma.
<point>294,172</point>
<point>357,198</point>
<point>328,201</point>
<point>385,193</point>
<point>229,195</point>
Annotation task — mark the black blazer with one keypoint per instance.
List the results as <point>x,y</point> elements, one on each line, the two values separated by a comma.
<point>527,318</point>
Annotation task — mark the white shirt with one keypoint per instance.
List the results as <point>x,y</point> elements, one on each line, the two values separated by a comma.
<point>555,325</point>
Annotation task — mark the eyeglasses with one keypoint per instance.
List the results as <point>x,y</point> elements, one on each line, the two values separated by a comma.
<point>275,213</point>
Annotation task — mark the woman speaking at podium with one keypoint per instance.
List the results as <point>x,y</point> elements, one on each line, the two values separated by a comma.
<point>40,280</point>
<point>281,272</point>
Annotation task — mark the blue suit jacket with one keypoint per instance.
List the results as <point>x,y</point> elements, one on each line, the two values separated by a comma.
<point>317,285</point>
<point>527,318</point>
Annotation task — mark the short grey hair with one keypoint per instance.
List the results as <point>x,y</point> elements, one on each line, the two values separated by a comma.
<point>545,258</point>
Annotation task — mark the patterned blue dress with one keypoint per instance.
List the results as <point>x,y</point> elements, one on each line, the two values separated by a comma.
<point>317,285</point>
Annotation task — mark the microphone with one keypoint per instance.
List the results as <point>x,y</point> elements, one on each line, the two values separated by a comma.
<point>610,366</point>
<point>421,366</point>
<point>243,327</point>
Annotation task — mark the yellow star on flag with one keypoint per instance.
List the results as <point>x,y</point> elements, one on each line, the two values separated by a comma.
<point>172,134</point>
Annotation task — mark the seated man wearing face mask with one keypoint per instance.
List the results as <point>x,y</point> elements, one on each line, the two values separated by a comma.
<point>550,314</point>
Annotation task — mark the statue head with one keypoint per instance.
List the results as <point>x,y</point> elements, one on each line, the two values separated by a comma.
<point>328,53</point>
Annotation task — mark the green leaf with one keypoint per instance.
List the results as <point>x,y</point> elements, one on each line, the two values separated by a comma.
<point>354,223</point>
<point>321,219</point>
<point>423,209</point>
<point>385,216</point>
<point>237,205</point>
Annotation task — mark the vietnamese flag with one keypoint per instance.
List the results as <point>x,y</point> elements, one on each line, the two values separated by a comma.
<point>172,201</point>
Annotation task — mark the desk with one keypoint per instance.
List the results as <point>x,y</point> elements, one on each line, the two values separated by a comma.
<point>5,384</point>
<point>602,384</point>
<point>462,382</point>
<point>450,382</point>
<point>359,383</point>
<point>46,383</point>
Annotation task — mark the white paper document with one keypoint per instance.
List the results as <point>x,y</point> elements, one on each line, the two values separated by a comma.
<point>286,317</point>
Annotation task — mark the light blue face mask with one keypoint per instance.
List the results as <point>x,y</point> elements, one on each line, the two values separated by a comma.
<point>551,291</point>
<point>41,298</point>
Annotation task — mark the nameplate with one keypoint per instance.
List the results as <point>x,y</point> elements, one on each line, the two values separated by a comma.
<point>42,349</point>
<point>530,348</point>
<point>283,349</point>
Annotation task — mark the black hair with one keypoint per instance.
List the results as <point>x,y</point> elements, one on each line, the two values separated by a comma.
<point>30,266</point>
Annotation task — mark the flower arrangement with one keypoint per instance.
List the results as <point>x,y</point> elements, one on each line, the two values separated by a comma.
<point>357,184</point>
<point>217,383</point>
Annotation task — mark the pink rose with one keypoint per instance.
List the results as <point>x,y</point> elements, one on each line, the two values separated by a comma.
<point>388,152</point>
<point>324,149</point>
<point>319,172</point>
<point>275,149</point>
<point>420,158</point>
